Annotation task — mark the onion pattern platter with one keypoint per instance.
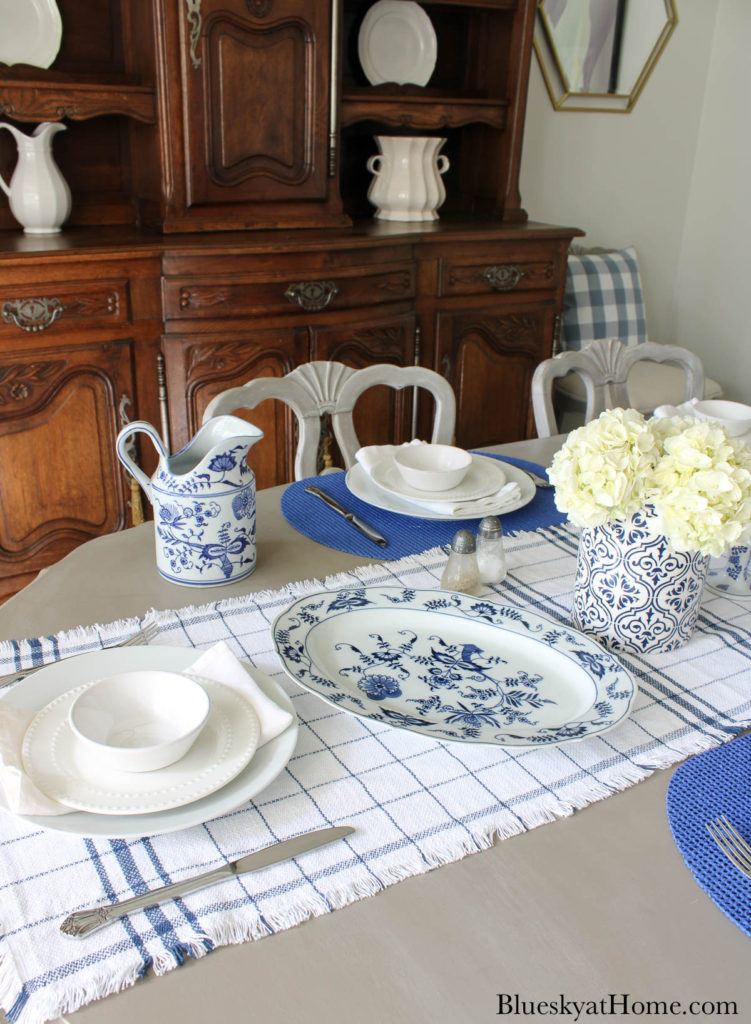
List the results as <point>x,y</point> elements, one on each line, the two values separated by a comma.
<point>452,667</point>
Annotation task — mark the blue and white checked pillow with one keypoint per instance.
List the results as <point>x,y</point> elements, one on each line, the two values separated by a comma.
<point>603,299</point>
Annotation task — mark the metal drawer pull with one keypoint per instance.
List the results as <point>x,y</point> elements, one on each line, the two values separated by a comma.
<point>32,314</point>
<point>312,295</point>
<point>503,277</point>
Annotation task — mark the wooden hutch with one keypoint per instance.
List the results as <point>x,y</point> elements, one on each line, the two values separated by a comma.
<point>216,152</point>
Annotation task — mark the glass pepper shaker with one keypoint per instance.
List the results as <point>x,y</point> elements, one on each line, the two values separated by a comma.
<point>461,572</point>
<point>491,558</point>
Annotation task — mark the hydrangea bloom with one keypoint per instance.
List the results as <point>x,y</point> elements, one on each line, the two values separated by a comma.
<point>696,477</point>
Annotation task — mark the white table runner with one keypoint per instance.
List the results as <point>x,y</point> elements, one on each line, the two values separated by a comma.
<point>415,803</point>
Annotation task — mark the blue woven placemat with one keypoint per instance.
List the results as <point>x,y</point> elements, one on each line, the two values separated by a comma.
<point>406,535</point>
<point>715,782</point>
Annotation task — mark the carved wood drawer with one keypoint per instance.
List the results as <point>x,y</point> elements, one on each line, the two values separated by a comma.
<point>54,305</point>
<point>501,272</point>
<point>331,288</point>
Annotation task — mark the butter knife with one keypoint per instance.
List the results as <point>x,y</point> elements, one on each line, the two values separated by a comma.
<point>82,922</point>
<point>358,523</point>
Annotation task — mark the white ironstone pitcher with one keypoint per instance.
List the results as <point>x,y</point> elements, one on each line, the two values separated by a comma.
<point>204,500</point>
<point>38,193</point>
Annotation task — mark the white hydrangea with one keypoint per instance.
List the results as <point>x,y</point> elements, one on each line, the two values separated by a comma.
<point>696,477</point>
<point>599,472</point>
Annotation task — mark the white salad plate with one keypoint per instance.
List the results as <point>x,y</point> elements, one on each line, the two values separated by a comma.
<point>62,766</point>
<point>452,667</point>
<point>267,763</point>
<point>397,43</point>
<point>365,488</point>
<point>484,477</point>
<point>30,32</point>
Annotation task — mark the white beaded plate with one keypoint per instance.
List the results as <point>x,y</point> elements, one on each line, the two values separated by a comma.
<point>60,765</point>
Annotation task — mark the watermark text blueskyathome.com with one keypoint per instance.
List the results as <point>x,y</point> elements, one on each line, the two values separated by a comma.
<point>612,1005</point>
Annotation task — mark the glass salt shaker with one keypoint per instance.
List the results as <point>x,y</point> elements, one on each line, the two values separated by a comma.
<point>491,558</point>
<point>461,572</point>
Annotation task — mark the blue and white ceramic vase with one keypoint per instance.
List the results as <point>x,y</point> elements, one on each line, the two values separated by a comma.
<point>633,591</point>
<point>731,574</point>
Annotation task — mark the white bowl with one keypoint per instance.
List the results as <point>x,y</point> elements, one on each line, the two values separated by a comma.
<point>733,416</point>
<point>139,721</point>
<point>432,467</point>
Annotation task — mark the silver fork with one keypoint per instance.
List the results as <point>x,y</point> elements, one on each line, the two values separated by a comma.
<point>731,842</point>
<point>143,636</point>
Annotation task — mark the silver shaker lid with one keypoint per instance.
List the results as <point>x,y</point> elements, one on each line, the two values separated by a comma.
<point>463,542</point>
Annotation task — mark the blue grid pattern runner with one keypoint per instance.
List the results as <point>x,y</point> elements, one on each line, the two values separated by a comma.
<point>716,782</point>
<point>406,535</point>
<point>416,803</point>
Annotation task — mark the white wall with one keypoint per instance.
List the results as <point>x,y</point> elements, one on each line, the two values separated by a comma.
<point>650,178</point>
<point>712,295</point>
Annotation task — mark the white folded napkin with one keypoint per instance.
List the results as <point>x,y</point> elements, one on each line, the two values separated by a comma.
<point>220,664</point>
<point>372,454</point>
<point>19,795</point>
<point>489,505</point>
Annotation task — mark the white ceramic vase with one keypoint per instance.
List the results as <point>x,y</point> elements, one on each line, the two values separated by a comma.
<point>407,183</point>
<point>633,591</point>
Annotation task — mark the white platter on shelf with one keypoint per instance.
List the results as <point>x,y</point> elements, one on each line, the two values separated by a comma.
<point>30,32</point>
<point>361,485</point>
<point>452,667</point>
<point>58,762</point>
<point>266,764</point>
<point>397,43</point>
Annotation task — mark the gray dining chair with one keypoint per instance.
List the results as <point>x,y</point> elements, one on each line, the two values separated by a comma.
<point>321,387</point>
<point>604,367</point>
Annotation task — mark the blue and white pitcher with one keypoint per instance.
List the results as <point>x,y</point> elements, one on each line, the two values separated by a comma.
<point>204,500</point>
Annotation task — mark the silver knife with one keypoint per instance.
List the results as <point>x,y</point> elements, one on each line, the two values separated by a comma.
<point>82,922</point>
<point>358,523</point>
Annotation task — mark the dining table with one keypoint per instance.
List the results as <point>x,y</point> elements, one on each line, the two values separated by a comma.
<point>590,911</point>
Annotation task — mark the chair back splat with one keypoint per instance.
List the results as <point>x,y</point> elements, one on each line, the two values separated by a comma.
<point>321,387</point>
<point>604,367</point>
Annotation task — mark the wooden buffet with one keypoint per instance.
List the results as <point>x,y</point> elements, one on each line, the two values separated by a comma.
<point>216,152</point>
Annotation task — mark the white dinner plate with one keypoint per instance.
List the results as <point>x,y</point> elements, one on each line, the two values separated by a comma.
<point>267,763</point>
<point>452,667</point>
<point>360,484</point>
<point>484,477</point>
<point>61,766</point>
<point>397,43</point>
<point>30,32</point>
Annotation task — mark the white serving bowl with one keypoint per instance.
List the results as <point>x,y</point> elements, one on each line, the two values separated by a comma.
<point>733,416</point>
<point>139,721</point>
<point>432,467</point>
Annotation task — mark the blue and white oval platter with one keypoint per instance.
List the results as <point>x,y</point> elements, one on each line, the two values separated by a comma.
<point>452,667</point>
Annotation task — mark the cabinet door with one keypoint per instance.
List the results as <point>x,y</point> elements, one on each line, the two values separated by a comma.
<point>199,367</point>
<point>489,355</point>
<point>382,415</point>
<point>256,100</point>
<point>60,411</point>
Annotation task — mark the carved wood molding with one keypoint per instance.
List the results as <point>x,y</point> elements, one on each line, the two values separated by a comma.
<point>206,361</point>
<point>20,382</point>
<point>202,298</point>
<point>401,282</point>
<point>516,332</point>
<point>259,8</point>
